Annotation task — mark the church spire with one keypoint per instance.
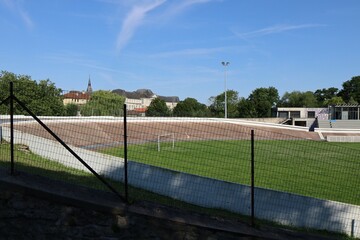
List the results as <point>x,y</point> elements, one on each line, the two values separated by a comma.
<point>89,88</point>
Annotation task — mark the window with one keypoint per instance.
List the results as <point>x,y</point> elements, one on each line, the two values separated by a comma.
<point>353,113</point>
<point>282,114</point>
<point>295,114</point>
<point>311,114</point>
<point>338,113</point>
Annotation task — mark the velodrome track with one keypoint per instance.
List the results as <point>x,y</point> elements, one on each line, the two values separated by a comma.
<point>271,205</point>
<point>89,132</point>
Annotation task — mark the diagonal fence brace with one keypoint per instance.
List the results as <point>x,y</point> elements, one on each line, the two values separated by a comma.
<point>68,148</point>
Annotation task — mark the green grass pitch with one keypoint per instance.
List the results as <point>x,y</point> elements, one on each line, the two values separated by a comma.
<point>311,168</point>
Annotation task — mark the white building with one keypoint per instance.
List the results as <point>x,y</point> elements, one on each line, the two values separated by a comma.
<point>302,116</point>
<point>140,99</point>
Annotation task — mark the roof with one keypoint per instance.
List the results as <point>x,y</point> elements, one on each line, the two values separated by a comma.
<point>144,93</point>
<point>77,95</point>
<point>170,99</point>
<point>140,110</point>
<point>346,105</point>
<point>138,94</point>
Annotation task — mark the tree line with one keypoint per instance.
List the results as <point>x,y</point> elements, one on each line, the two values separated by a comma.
<point>260,102</point>
<point>45,99</point>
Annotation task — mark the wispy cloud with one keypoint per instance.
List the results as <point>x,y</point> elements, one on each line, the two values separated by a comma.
<point>79,60</point>
<point>275,29</point>
<point>133,20</point>
<point>182,5</point>
<point>16,7</point>
<point>139,11</point>
<point>191,52</point>
<point>179,6</point>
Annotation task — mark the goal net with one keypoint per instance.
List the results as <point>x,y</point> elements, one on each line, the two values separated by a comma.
<point>165,141</point>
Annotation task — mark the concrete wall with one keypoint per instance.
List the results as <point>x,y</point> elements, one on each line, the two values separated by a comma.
<point>282,207</point>
<point>52,150</point>
<point>265,120</point>
<point>5,119</point>
<point>343,138</point>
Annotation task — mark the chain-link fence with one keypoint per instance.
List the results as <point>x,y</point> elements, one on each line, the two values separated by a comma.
<point>224,166</point>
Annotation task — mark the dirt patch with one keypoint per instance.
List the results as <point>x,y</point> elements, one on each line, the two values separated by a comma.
<point>86,133</point>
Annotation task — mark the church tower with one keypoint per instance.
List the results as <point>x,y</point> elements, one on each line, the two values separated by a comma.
<point>89,88</point>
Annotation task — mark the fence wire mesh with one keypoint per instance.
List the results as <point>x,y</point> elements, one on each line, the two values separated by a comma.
<point>202,162</point>
<point>38,152</point>
<point>308,167</point>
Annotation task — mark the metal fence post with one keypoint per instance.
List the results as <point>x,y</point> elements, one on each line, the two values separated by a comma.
<point>12,128</point>
<point>125,157</point>
<point>252,180</point>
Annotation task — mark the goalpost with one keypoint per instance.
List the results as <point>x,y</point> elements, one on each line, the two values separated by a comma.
<point>165,138</point>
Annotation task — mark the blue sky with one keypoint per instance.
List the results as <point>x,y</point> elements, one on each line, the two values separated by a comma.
<point>175,47</point>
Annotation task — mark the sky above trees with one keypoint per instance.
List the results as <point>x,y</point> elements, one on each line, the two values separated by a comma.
<point>176,47</point>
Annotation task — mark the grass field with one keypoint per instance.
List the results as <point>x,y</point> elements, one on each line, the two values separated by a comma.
<point>312,168</point>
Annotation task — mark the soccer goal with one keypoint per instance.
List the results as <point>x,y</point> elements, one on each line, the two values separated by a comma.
<point>165,141</point>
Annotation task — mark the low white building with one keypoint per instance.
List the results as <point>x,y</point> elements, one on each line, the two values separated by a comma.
<point>297,112</point>
<point>142,98</point>
<point>302,116</point>
<point>132,103</point>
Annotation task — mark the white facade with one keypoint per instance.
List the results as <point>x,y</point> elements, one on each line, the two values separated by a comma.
<point>76,97</point>
<point>132,103</point>
<point>77,101</point>
<point>293,112</point>
<point>171,105</point>
<point>146,101</point>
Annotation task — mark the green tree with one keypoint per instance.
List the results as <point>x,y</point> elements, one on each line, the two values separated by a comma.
<point>262,101</point>
<point>334,101</point>
<point>298,99</point>
<point>158,108</point>
<point>104,103</point>
<point>190,107</point>
<point>246,109</point>
<point>352,101</point>
<point>351,89</point>
<point>325,94</point>
<point>71,109</point>
<point>43,98</point>
<point>217,104</point>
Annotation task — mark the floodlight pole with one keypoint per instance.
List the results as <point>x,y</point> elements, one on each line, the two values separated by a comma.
<point>225,64</point>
